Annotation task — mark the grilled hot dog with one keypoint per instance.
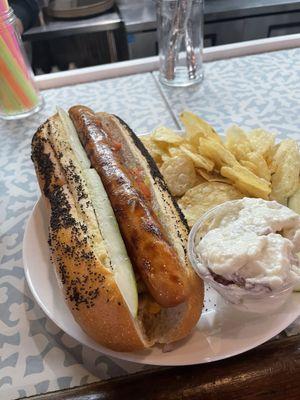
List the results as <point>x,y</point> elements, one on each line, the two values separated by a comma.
<point>143,234</point>
<point>117,237</point>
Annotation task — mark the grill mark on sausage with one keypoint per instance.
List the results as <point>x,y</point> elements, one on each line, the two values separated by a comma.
<point>126,199</point>
<point>148,226</point>
<point>159,182</point>
<point>154,170</point>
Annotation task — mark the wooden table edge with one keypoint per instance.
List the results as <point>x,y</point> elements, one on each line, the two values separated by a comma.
<point>268,372</point>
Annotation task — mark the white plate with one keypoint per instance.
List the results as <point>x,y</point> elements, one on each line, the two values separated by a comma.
<point>221,332</point>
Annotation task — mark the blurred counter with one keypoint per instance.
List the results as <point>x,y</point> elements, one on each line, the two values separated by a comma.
<point>140,15</point>
<point>226,21</point>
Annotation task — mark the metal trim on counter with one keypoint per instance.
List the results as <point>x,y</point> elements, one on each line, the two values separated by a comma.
<point>56,29</point>
<point>230,9</point>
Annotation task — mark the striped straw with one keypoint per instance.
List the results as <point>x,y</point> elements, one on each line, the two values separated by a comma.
<point>9,102</point>
<point>19,84</point>
<point>17,92</point>
<point>4,7</point>
<point>9,36</point>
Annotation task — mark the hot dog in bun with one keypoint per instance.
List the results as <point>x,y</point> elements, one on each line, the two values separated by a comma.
<point>117,237</point>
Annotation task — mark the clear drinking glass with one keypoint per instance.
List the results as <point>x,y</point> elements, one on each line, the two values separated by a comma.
<point>19,96</point>
<point>180,41</point>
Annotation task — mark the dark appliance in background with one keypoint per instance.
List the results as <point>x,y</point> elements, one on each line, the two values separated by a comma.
<point>83,48</point>
<point>77,8</point>
<point>226,21</point>
<point>129,29</point>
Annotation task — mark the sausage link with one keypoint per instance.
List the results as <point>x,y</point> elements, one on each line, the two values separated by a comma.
<point>148,248</point>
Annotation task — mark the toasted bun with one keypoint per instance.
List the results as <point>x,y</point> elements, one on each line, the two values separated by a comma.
<point>78,250</point>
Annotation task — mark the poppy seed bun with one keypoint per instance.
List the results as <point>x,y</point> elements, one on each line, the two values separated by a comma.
<point>79,253</point>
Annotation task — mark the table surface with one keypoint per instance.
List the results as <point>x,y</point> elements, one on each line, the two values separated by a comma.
<point>36,356</point>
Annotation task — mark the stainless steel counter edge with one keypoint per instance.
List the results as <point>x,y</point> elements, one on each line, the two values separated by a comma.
<point>140,15</point>
<point>151,64</point>
<point>105,22</point>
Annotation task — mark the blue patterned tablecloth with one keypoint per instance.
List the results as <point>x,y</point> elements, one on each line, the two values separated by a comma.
<point>255,91</point>
<point>35,355</point>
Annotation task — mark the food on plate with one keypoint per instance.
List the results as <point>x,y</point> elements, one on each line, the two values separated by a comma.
<point>201,198</point>
<point>198,160</point>
<point>262,169</point>
<point>216,152</point>
<point>262,142</point>
<point>286,164</point>
<point>247,182</point>
<point>212,176</point>
<point>247,249</point>
<point>237,142</point>
<point>197,128</point>
<point>250,162</point>
<point>164,135</point>
<point>242,146</point>
<point>179,174</point>
<point>117,237</point>
<point>153,148</point>
<point>294,201</point>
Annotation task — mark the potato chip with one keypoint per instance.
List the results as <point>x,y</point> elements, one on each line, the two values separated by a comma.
<point>216,152</point>
<point>245,179</point>
<point>237,142</point>
<point>287,169</point>
<point>239,145</point>
<point>155,151</point>
<point>261,165</point>
<point>270,158</point>
<point>279,198</point>
<point>179,174</point>
<point>145,137</point>
<point>199,179</point>
<point>175,151</point>
<point>261,141</point>
<point>165,157</point>
<point>166,135</point>
<point>212,176</point>
<point>283,148</point>
<point>197,128</point>
<point>198,160</point>
<point>294,200</point>
<point>243,188</point>
<point>190,146</point>
<point>202,197</point>
<point>249,165</point>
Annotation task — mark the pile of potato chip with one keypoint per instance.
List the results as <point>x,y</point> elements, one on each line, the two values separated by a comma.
<point>202,170</point>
